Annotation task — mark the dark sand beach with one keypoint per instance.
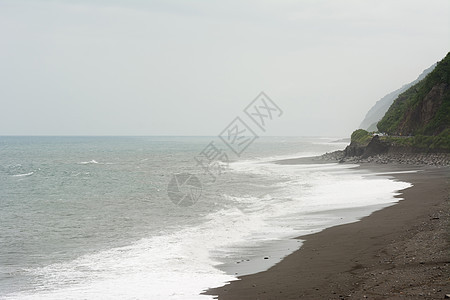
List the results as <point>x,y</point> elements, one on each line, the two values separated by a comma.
<point>399,252</point>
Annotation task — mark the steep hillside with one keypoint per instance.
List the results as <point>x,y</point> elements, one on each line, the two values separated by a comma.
<point>376,113</point>
<point>424,108</point>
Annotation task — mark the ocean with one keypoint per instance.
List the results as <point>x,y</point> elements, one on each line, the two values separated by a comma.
<point>93,217</point>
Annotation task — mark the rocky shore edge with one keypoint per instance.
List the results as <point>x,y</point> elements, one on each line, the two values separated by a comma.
<point>421,159</point>
<point>381,153</point>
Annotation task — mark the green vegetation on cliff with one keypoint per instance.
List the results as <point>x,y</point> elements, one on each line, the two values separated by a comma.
<point>417,121</point>
<point>423,109</point>
<point>421,142</point>
<point>361,137</point>
<point>377,112</point>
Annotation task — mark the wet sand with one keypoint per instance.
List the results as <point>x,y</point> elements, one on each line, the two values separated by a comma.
<point>399,252</point>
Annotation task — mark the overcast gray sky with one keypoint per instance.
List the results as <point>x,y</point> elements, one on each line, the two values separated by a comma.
<point>131,67</point>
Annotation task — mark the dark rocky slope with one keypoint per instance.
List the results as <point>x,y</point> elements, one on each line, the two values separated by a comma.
<point>417,126</point>
<point>376,113</point>
<point>423,109</point>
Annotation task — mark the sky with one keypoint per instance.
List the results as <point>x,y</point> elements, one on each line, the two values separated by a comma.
<point>178,67</point>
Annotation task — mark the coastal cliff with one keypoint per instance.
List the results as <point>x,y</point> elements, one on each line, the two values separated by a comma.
<point>423,109</point>
<point>376,113</point>
<point>414,130</point>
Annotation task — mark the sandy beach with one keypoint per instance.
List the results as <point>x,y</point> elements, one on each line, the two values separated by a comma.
<point>399,252</point>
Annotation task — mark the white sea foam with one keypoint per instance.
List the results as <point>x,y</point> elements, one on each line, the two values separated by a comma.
<point>24,175</point>
<point>179,264</point>
<point>314,188</point>
<point>88,162</point>
<point>172,266</point>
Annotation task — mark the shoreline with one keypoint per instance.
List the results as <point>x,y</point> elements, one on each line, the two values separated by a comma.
<point>399,251</point>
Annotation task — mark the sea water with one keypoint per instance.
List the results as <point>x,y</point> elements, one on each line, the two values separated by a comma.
<point>90,217</point>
